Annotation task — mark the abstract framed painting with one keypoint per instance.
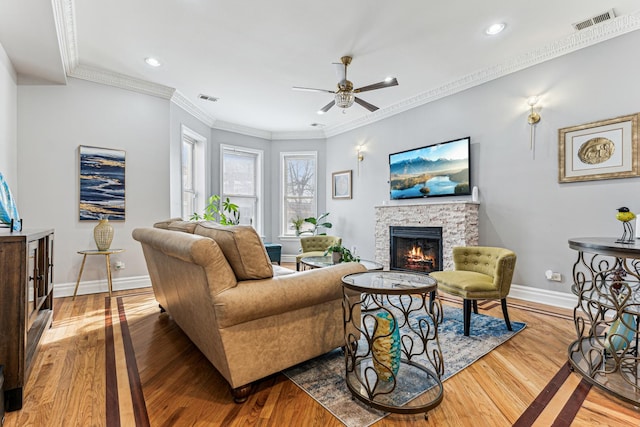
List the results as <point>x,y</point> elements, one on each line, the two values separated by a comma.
<point>102,184</point>
<point>605,149</point>
<point>341,184</point>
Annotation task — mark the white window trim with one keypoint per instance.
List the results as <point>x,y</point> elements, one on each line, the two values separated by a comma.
<point>258,225</point>
<point>199,178</point>
<point>283,226</point>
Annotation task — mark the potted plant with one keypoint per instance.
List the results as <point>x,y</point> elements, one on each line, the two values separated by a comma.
<point>297,224</point>
<point>317,222</point>
<point>224,212</point>
<point>341,254</point>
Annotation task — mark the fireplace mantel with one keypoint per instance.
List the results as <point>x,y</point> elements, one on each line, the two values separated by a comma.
<point>459,222</point>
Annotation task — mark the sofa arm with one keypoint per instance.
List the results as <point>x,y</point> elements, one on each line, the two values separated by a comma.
<point>256,299</point>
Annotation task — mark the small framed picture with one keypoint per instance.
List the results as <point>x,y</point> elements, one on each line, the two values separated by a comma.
<point>600,150</point>
<point>341,184</point>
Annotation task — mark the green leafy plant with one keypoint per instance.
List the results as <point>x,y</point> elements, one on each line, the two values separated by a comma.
<point>297,224</point>
<point>346,255</point>
<point>222,211</point>
<point>317,223</point>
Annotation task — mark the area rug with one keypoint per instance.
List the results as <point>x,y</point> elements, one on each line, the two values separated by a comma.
<point>323,377</point>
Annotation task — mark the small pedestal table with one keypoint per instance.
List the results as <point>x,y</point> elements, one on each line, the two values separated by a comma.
<point>393,349</point>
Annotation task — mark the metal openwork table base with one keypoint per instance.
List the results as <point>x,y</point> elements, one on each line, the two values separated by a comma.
<point>393,347</point>
<point>606,279</point>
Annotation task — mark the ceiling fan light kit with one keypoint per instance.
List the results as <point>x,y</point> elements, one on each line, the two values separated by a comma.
<point>344,96</point>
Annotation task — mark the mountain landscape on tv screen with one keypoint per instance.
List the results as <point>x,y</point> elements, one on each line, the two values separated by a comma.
<point>422,177</point>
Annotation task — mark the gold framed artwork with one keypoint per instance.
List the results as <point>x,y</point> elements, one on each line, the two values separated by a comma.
<point>341,184</point>
<point>606,149</point>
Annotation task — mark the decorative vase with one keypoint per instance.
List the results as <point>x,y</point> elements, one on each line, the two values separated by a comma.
<point>386,347</point>
<point>336,257</point>
<point>103,234</point>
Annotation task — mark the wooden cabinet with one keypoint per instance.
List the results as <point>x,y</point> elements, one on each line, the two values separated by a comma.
<point>26,304</point>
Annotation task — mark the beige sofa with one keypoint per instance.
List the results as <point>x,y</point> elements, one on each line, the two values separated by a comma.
<point>218,285</point>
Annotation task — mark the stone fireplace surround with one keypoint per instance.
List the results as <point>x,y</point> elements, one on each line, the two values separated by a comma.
<point>459,222</point>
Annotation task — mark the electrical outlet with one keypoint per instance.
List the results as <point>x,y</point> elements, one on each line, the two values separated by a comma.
<point>553,276</point>
<point>119,265</point>
<point>353,249</point>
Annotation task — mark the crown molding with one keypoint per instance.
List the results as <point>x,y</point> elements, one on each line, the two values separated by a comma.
<point>122,81</point>
<point>183,102</point>
<point>576,41</point>
<point>66,29</point>
<point>65,22</point>
<point>244,130</point>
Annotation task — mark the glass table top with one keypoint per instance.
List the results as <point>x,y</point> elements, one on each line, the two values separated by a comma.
<point>392,282</point>
<point>326,261</point>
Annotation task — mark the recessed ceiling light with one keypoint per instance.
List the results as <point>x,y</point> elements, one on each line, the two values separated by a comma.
<point>494,29</point>
<point>152,61</point>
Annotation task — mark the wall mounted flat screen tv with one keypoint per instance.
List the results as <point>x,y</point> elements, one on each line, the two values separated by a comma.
<point>436,170</point>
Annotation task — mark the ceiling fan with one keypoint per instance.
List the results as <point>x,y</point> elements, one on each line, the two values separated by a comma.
<point>344,97</point>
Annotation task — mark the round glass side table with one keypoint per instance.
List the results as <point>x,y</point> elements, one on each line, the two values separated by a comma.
<point>392,352</point>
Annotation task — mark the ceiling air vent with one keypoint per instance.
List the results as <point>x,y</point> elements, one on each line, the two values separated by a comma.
<point>594,20</point>
<point>208,98</point>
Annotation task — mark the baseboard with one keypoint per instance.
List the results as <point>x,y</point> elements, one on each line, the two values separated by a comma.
<point>542,296</point>
<point>288,258</point>
<point>98,286</point>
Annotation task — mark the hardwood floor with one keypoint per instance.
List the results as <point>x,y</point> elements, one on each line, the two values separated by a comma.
<point>80,378</point>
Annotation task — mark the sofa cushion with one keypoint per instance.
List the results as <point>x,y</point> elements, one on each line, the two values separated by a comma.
<point>165,224</point>
<point>281,271</point>
<point>242,247</point>
<point>184,226</point>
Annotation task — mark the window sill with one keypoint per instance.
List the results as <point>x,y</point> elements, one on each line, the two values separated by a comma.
<point>289,238</point>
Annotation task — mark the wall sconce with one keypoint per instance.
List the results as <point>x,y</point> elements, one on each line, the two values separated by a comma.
<point>532,119</point>
<point>360,157</point>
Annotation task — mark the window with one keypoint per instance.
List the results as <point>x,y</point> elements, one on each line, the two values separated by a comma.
<point>299,180</point>
<point>188,172</point>
<point>193,181</point>
<point>241,170</point>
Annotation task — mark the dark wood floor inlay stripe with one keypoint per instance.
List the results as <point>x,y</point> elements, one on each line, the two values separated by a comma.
<point>534,410</point>
<point>111,397</point>
<point>573,405</point>
<point>137,397</point>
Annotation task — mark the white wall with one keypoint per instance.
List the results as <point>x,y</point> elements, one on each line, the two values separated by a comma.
<point>52,122</point>
<point>523,207</point>
<point>9,124</point>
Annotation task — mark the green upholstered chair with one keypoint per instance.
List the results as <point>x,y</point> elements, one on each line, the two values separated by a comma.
<point>481,272</point>
<point>315,246</point>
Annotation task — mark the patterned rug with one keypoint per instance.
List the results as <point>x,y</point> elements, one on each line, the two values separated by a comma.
<point>323,377</point>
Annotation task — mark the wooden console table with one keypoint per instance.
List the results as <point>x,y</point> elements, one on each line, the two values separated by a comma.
<point>26,305</point>
<point>606,280</point>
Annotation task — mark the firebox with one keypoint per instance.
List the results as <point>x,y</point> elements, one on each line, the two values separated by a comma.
<point>416,249</point>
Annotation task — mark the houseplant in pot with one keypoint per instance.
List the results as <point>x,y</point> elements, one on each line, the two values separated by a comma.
<point>341,254</point>
<point>317,223</point>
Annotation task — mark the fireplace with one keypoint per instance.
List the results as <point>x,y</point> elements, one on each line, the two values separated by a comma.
<point>416,249</point>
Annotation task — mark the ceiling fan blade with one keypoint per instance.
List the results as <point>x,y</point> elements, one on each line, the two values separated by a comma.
<point>341,71</point>
<point>392,82</point>
<point>309,89</point>
<point>365,104</point>
<point>327,107</point>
